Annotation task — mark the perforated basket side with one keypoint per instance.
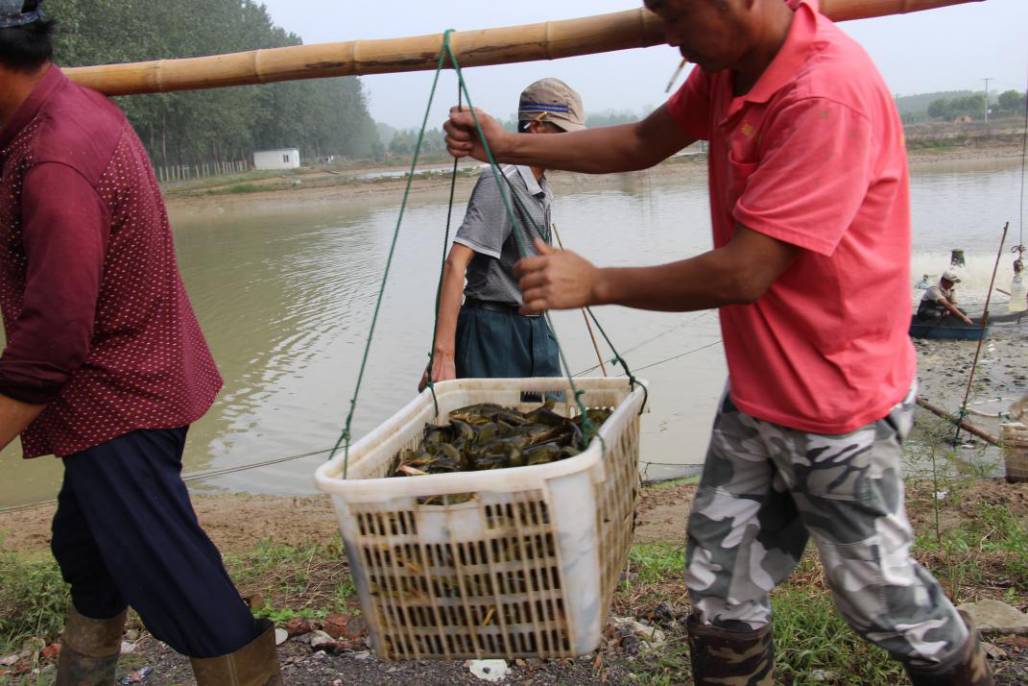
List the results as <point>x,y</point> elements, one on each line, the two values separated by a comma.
<point>497,593</point>
<point>616,503</point>
<point>525,568</point>
<point>1015,451</point>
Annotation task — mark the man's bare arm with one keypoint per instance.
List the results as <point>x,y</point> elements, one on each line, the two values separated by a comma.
<point>454,271</point>
<point>604,150</point>
<point>955,311</point>
<point>738,273</point>
<point>15,417</point>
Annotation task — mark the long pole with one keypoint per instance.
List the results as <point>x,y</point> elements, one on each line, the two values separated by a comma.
<point>987,79</point>
<point>637,28</point>
<point>588,325</point>
<point>968,427</point>
<point>981,339</point>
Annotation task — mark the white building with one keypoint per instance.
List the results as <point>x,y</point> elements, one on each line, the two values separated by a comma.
<point>286,158</point>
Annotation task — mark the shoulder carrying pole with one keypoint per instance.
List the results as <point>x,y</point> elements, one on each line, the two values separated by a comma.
<point>636,28</point>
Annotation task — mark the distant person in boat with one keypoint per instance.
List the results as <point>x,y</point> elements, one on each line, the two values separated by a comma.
<point>940,302</point>
<point>487,335</point>
<point>106,367</point>
<point>810,269</point>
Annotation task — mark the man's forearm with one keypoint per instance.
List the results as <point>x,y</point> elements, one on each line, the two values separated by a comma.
<point>449,308</point>
<point>955,311</point>
<point>15,417</point>
<point>737,273</point>
<point>604,150</point>
<point>699,283</point>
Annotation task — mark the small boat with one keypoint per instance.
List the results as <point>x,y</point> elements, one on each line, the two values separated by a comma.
<point>950,329</point>
<point>1007,317</point>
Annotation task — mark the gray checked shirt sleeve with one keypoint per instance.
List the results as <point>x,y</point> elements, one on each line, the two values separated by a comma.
<point>486,225</point>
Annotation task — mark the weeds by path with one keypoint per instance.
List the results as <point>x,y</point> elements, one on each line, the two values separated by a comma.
<point>980,549</point>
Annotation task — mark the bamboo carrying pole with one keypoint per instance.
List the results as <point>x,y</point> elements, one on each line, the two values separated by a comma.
<point>636,28</point>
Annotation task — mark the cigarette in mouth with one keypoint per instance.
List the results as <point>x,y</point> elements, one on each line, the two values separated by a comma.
<point>674,77</point>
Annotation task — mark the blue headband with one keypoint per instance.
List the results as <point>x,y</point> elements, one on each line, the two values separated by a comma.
<point>12,16</point>
<point>526,106</point>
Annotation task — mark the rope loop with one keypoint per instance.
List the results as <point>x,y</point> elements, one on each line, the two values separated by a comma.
<point>521,237</point>
<point>618,360</point>
<point>345,437</point>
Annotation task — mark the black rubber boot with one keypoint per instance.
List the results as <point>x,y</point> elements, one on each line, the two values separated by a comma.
<point>730,658</point>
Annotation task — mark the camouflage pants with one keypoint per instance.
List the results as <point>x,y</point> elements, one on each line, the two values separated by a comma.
<point>766,489</point>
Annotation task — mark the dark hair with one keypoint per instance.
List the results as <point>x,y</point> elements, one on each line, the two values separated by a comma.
<point>28,47</point>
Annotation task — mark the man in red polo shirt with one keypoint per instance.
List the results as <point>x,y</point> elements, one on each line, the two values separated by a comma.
<point>106,367</point>
<point>810,271</point>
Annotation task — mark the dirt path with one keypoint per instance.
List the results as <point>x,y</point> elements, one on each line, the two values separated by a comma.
<point>235,522</point>
<point>238,522</point>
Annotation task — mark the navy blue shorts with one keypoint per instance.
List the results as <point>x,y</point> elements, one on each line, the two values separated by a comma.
<point>125,534</point>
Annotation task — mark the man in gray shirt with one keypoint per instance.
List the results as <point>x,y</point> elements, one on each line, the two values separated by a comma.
<point>486,336</point>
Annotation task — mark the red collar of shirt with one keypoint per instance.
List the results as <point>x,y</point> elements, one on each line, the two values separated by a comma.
<point>53,78</point>
<point>791,56</point>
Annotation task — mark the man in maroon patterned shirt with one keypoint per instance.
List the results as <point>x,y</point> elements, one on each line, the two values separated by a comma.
<point>106,367</point>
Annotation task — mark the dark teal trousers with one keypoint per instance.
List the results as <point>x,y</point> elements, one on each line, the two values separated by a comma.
<point>504,344</point>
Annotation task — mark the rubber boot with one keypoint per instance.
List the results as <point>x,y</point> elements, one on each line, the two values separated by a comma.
<point>255,664</point>
<point>730,658</point>
<point>969,668</point>
<point>89,650</point>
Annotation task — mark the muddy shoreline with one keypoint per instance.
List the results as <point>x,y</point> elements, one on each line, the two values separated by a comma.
<point>239,521</point>
<point>332,187</point>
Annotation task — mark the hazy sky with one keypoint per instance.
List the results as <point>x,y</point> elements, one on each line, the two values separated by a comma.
<point>951,48</point>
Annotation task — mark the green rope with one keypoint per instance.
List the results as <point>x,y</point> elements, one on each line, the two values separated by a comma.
<point>520,235</point>
<point>345,436</point>
<point>442,272</point>
<point>618,359</point>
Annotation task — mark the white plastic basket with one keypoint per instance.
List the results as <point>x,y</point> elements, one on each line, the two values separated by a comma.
<point>1015,451</point>
<point>527,567</point>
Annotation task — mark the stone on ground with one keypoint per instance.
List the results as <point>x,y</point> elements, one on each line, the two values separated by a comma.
<point>492,671</point>
<point>994,617</point>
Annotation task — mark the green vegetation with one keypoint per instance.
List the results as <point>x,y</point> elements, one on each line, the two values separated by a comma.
<point>917,105</point>
<point>652,563</point>
<point>972,106</point>
<point>1009,103</point>
<point>950,105</point>
<point>815,646</point>
<point>33,599</point>
<point>307,581</point>
<point>981,550</point>
<point>322,118</point>
<point>993,544</point>
<point>401,142</point>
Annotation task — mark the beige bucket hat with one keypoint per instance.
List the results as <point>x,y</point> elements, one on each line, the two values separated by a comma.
<point>554,101</point>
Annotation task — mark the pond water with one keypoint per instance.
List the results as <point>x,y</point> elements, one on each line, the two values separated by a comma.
<point>285,296</point>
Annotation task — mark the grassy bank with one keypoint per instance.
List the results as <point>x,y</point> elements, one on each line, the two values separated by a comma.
<point>978,549</point>
<point>925,146</point>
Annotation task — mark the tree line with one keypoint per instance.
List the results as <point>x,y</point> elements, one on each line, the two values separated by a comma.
<point>323,118</point>
<point>1009,103</point>
<point>401,142</point>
